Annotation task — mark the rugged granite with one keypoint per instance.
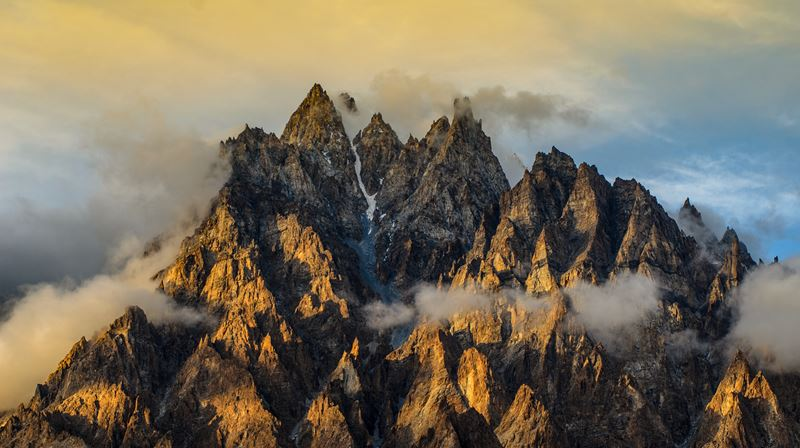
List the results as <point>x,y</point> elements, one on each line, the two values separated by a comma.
<point>290,255</point>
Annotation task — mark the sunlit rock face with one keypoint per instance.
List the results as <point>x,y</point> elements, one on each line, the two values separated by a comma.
<point>294,253</point>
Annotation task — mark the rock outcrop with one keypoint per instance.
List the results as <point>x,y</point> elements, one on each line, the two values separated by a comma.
<point>435,196</point>
<point>745,412</point>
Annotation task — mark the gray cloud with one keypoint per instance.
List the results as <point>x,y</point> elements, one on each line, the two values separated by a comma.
<point>382,316</point>
<point>768,309</point>
<point>146,176</point>
<point>437,304</point>
<point>152,180</point>
<point>612,311</point>
<point>49,318</point>
<point>410,103</point>
<point>706,231</point>
<point>39,244</point>
<point>685,342</point>
<point>712,227</point>
<point>527,110</point>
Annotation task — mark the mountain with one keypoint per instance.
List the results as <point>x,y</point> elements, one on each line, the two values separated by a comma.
<point>312,230</point>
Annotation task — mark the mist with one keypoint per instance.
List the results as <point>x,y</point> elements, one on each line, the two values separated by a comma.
<point>514,120</point>
<point>69,270</point>
<point>433,304</point>
<point>767,305</point>
<point>44,323</point>
<point>611,312</point>
<point>142,175</point>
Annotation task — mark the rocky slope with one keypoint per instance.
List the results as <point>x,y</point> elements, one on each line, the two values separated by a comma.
<point>292,254</point>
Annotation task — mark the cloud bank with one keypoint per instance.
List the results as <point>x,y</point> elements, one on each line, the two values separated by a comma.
<point>610,312</point>
<point>50,318</point>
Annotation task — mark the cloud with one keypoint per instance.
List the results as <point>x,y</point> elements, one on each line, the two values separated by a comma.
<point>143,159</point>
<point>382,315</point>
<point>411,102</point>
<point>42,325</point>
<point>742,188</point>
<point>527,110</point>
<point>710,229</point>
<point>768,308</point>
<point>437,304</point>
<point>705,230</point>
<point>145,175</point>
<point>612,311</point>
<point>684,342</point>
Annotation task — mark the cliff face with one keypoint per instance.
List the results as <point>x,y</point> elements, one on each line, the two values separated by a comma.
<point>290,254</point>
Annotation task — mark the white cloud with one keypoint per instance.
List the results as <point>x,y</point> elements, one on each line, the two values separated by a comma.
<point>741,188</point>
<point>43,324</point>
<point>382,316</point>
<point>768,308</point>
<point>437,304</point>
<point>142,174</point>
<point>611,312</point>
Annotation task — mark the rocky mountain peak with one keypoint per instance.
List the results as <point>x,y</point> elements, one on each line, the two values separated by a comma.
<point>291,268</point>
<point>437,132</point>
<point>688,209</point>
<point>744,411</point>
<point>132,318</point>
<point>553,162</point>
<point>462,109</point>
<point>465,127</point>
<point>316,123</point>
<point>377,119</point>
<point>729,237</point>
<point>735,248</point>
<point>377,146</point>
<point>436,198</point>
<point>349,102</point>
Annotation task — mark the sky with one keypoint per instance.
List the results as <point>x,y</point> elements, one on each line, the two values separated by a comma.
<point>110,111</point>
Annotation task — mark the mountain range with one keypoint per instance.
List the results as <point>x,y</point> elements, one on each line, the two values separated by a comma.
<point>374,292</point>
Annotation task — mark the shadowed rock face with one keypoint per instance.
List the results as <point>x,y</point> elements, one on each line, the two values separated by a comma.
<point>378,147</point>
<point>290,359</point>
<point>434,197</point>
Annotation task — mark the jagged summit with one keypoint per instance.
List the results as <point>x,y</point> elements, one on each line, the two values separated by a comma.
<point>377,146</point>
<point>689,208</point>
<point>349,102</point>
<point>292,261</point>
<point>434,195</point>
<point>462,109</point>
<point>437,132</point>
<point>316,122</point>
<point>377,118</point>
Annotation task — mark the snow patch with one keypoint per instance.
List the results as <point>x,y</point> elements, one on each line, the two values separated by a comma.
<point>369,197</point>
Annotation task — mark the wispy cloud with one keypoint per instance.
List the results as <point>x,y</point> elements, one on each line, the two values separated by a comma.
<point>611,313</point>
<point>741,190</point>
<point>438,304</point>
